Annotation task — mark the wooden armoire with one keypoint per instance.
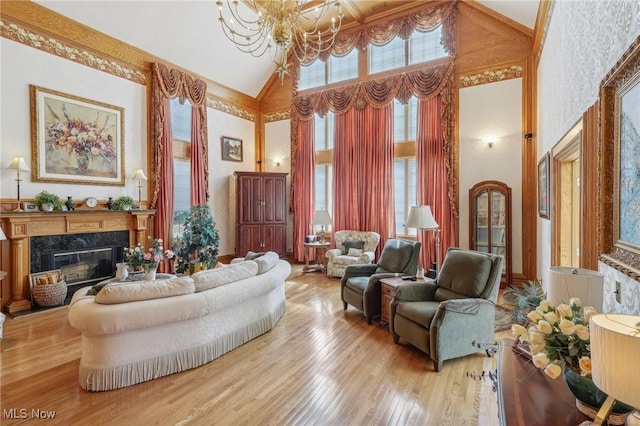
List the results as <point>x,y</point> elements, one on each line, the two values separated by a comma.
<point>261,222</point>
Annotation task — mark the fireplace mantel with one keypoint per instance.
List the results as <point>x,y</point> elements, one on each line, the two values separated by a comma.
<point>20,226</point>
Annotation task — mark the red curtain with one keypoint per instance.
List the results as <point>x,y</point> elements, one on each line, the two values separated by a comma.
<point>363,171</point>
<point>168,83</point>
<point>304,184</point>
<point>199,188</point>
<point>432,171</point>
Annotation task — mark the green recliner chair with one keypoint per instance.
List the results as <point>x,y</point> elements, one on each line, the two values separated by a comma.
<point>444,316</point>
<point>360,284</point>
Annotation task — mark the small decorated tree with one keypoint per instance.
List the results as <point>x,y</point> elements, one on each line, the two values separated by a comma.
<point>199,240</point>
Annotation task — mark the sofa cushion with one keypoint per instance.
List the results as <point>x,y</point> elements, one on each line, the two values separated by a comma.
<point>266,261</point>
<point>395,257</point>
<point>359,244</point>
<point>144,290</point>
<point>465,273</point>
<point>354,252</point>
<point>419,312</point>
<point>212,278</point>
<point>253,255</point>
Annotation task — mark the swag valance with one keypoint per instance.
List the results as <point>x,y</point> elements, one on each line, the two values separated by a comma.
<point>403,26</point>
<point>377,93</point>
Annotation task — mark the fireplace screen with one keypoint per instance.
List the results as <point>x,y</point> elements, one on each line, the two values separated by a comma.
<point>84,265</point>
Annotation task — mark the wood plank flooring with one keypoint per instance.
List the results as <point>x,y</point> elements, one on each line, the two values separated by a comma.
<point>318,366</point>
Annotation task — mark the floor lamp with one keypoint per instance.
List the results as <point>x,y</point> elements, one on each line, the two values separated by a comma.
<point>420,217</point>
<point>18,165</point>
<point>140,176</point>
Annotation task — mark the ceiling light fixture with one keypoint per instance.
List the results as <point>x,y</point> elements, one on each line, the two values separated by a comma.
<point>281,26</point>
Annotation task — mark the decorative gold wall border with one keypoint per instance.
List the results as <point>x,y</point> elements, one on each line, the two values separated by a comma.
<point>491,76</point>
<point>51,45</point>
<point>277,116</point>
<point>230,109</point>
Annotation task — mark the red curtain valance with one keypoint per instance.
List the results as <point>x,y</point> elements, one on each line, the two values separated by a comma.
<point>377,93</point>
<point>403,26</point>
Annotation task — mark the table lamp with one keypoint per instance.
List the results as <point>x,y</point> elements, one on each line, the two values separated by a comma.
<point>615,351</point>
<point>18,165</point>
<point>140,176</point>
<point>566,282</point>
<point>322,218</point>
<point>420,217</point>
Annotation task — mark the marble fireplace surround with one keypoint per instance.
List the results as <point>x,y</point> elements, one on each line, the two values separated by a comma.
<point>19,227</point>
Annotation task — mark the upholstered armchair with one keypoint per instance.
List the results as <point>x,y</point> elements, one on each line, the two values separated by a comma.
<point>444,316</point>
<point>352,247</point>
<point>360,284</point>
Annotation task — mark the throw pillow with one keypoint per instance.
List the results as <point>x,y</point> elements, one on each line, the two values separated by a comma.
<point>266,262</point>
<point>212,278</point>
<point>354,252</point>
<point>115,293</point>
<point>358,244</point>
<point>253,255</point>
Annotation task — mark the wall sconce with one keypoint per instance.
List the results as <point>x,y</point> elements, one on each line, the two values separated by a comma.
<point>489,141</point>
<point>277,160</point>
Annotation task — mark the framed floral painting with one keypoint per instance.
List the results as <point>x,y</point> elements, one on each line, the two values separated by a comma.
<point>543,186</point>
<point>76,140</point>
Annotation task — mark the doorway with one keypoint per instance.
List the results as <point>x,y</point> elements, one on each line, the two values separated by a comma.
<point>567,200</point>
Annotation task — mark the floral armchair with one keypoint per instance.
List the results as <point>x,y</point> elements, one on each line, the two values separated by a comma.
<point>352,247</point>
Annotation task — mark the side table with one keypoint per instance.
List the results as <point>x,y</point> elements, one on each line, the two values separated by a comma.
<point>388,289</point>
<point>321,250</point>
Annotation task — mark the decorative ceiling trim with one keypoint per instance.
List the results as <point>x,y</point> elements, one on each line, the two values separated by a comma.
<point>277,116</point>
<point>490,76</point>
<point>47,44</point>
<point>230,109</point>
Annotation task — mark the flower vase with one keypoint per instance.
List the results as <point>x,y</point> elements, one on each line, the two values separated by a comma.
<point>589,398</point>
<point>150,271</point>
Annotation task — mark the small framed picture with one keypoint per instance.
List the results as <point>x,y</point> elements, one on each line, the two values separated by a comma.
<point>231,149</point>
<point>544,186</point>
<point>29,207</point>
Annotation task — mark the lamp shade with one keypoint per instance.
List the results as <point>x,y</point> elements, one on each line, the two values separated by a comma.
<point>18,164</point>
<point>321,217</point>
<point>139,175</point>
<point>421,217</point>
<point>2,236</point>
<point>565,283</point>
<point>615,352</point>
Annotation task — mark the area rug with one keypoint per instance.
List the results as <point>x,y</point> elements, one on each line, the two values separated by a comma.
<point>503,319</point>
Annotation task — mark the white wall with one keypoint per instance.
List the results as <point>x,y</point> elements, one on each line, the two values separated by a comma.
<point>221,179</point>
<point>22,66</point>
<point>278,149</point>
<point>584,40</point>
<point>492,110</point>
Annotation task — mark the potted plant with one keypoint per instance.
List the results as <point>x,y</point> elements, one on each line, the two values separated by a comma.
<point>48,201</point>
<point>522,300</point>
<point>199,241</point>
<point>124,202</point>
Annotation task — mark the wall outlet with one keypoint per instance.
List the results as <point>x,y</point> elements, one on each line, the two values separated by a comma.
<point>618,292</point>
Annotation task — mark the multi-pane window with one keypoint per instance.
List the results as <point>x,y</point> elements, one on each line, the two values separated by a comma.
<point>334,70</point>
<point>324,132</point>
<point>405,188</point>
<point>324,128</point>
<point>421,47</point>
<point>405,120</point>
<point>181,134</point>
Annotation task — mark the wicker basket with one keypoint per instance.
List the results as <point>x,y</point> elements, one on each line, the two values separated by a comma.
<point>46,295</point>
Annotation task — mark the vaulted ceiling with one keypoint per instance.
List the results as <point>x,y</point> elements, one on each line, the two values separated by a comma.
<point>187,32</point>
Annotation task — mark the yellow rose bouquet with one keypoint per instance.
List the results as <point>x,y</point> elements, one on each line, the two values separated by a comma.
<point>558,336</point>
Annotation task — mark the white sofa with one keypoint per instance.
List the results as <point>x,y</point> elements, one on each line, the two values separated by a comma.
<point>134,332</point>
<point>340,257</point>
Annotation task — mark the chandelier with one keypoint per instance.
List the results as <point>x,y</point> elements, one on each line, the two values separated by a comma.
<point>282,26</point>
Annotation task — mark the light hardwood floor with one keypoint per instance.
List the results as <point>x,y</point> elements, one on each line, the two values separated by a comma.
<point>319,365</point>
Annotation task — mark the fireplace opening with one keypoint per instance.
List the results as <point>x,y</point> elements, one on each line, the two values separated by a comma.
<point>82,258</point>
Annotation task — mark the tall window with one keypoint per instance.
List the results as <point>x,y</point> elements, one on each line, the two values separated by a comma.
<point>421,47</point>
<point>324,131</point>
<point>334,70</point>
<point>406,192</point>
<point>181,133</point>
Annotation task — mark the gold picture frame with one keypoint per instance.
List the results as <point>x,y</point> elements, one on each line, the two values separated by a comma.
<point>76,140</point>
<point>618,140</point>
<point>231,149</point>
<point>544,199</point>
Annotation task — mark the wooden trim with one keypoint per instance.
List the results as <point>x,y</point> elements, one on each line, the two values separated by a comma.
<point>529,171</point>
<point>260,143</point>
<point>589,248</point>
<point>542,25</point>
<point>510,23</point>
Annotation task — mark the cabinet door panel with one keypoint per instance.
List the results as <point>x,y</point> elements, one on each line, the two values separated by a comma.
<point>275,239</point>
<point>275,205</point>
<point>249,239</point>
<point>251,199</point>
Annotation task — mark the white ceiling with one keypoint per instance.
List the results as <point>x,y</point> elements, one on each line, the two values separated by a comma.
<point>187,33</point>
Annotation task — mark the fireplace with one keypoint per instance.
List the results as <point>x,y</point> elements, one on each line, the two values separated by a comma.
<point>82,258</point>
